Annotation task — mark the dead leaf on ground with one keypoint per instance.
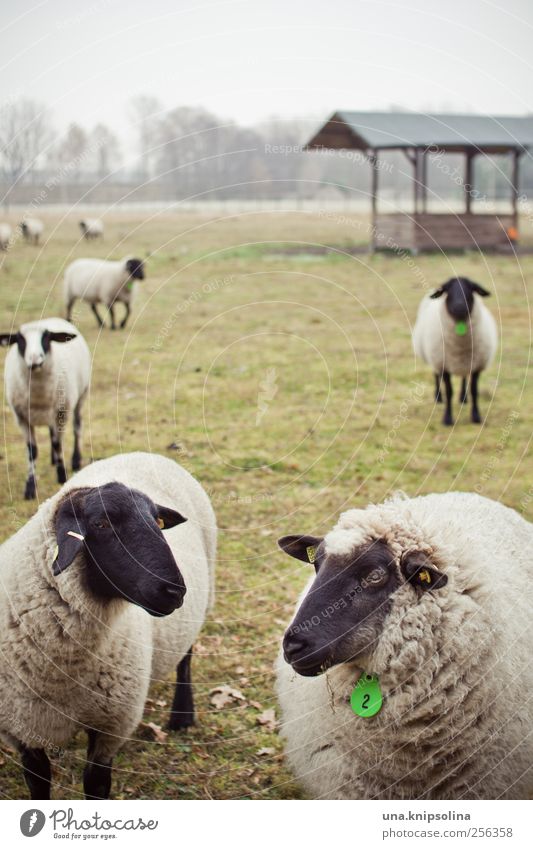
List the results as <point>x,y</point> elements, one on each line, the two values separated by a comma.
<point>224,695</point>
<point>267,719</point>
<point>154,732</point>
<point>265,751</point>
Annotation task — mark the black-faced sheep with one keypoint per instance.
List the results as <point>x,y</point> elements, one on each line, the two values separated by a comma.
<point>32,230</point>
<point>431,597</point>
<point>89,594</point>
<point>46,380</point>
<point>456,334</point>
<point>92,228</point>
<point>100,281</point>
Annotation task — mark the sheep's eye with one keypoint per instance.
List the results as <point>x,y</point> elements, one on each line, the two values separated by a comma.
<point>102,525</point>
<point>376,577</point>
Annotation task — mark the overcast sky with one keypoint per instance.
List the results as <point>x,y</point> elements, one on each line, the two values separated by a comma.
<point>246,59</point>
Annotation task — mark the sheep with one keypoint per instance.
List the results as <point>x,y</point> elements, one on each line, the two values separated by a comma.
<point>32,230</point>
<point>46,380</point>
<point>102,281</point>
<point>5,236</point>
<point>92,228</point>
<point>456,335</point>
<point>89,596</point>
<point>433,596</point>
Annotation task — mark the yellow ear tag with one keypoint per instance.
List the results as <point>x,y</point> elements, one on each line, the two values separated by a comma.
<point>311,553</point>
<point>160,522</point>
<point>425,576</point>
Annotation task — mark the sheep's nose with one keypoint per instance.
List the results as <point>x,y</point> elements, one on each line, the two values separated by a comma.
<point>177,594</point>
<point>293,645</point>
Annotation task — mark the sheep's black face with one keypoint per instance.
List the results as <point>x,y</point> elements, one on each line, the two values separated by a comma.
<point>459,293</point>
<point>127,556</point>
<point>34,343</point>
<point>135,268</point>
<point>343,615</point>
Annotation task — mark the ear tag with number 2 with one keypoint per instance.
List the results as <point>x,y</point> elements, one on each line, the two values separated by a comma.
<point>366,699</point>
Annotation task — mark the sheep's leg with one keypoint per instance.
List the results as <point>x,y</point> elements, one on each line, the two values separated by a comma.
<point>464,393</point>
<point>70,304</point>
<point>76,454</point>
<point>112,314</point>
<point>29,433</point>
<point>124,320</point>
<point>98,319</point>
<point>53,453</point>
<point>182,711</point>
<point>56,435</point>
<point>448,418</point>
<point>438,393</point>
<point>476,418</point>
<point>97,772</point>
<point>37,771</point>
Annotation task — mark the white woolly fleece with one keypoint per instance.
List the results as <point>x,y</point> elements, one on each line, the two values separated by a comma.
<point>454,666</point>
<point>436,342</point>
<point>68,660</point>
<point>98,281</point>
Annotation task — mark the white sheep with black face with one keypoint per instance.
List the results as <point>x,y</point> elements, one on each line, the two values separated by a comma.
<point>101,281</point>
<point>47,375</point>
<point>433,597</point>
<point>455,333</point>
<point>92,228</point>
<point>104,590</point>
<point>32,230</point>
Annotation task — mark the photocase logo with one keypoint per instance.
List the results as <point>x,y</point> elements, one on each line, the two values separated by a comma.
<point>32,822</point>
<point>267,392</point>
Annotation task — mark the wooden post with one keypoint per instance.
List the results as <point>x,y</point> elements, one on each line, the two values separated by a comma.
<point>374,193</point>
<point>424,181</point>
<point>415,179</point>
<point>515,185</point>
<point>469,176</point>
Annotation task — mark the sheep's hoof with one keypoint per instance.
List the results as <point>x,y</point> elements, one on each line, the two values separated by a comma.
<point>180,723</point>
<point>61,473</point>
<point>476,418</point>
<point>30,489</point>
<point>447,420</point>
<point>76,462</point>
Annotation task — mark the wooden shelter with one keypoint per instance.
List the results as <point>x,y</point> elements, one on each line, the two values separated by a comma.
<point>421,136</point>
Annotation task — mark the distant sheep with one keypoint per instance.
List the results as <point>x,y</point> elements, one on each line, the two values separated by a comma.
<point>32,230</point>
<point>458,335</point>
<point>100,281</point>
<point>45,381</point>
<point>89,596</point>
<point>431,599</point>
<point>92,228</point>
<point>5,236</point>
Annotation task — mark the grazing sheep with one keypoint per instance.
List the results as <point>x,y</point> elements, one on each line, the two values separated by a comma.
<point>46,380</point>
<point>456,335</point>
<point>433,596</point>
<point>32,230</point>
<point>100,281</point>
<point>5,236</point>
<point>92,228</point>
<point>89,596</point>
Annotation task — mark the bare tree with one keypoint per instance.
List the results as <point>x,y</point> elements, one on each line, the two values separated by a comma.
<point>145,113</point>
<point>72,151</point>
<point>25,134</point>
<point>105,147</point>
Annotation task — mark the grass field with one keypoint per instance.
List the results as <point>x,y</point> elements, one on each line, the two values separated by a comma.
<point>285,382</point>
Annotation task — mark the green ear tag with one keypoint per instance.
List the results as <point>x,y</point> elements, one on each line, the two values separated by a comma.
<point>460,328</point>
<point>366,699</point>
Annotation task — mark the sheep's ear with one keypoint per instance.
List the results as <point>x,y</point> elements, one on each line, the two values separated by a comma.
<point>301,547</point>
<point>419,571</point>
<point>167,518</point>
<point>61,337</point>
<point>70,533</point>
<point>479,289</point>
<point>439,292</point>
<point>7,339</point>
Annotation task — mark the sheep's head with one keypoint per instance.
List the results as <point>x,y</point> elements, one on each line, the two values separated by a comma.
<point>459,293</point>
<point>34,342</point>
<point>120,531</point>
<point>135,268</point>
<point>343,614</point>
